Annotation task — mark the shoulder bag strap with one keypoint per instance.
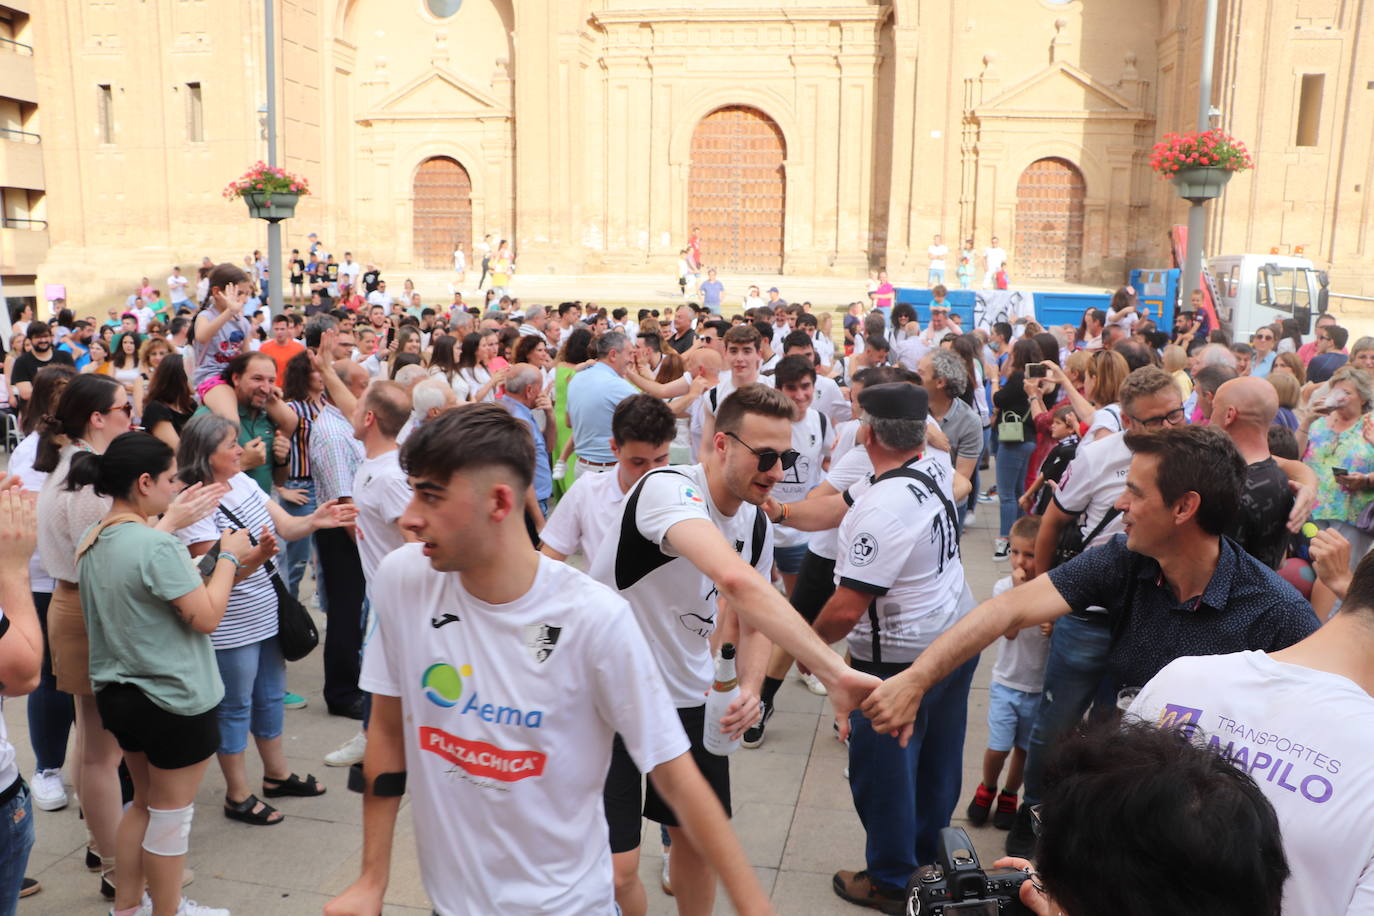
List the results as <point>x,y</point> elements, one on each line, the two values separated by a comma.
<point>108,522</point>
<point>234,519</point>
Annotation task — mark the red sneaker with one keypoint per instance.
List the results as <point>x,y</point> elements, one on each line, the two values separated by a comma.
<point>1006,811</point>
<point>980,806</point>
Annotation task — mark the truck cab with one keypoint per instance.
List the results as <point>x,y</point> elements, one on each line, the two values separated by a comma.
<point>1260,289</point>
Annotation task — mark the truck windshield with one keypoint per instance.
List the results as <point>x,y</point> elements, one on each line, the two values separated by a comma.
<point>1286,289</point>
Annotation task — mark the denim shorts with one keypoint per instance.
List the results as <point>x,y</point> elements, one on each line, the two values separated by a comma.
<point>1011,714</point>
<point>789,559</point>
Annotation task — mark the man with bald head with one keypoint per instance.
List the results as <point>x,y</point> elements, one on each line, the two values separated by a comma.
<point>1244,408</point>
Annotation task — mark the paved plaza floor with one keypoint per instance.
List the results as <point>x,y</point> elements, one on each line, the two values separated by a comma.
<point>793,811</point>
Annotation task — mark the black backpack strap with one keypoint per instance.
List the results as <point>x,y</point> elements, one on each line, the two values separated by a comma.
<point>824,424</point>
<point>951,513</point>
<point>1111,513</point>
<point>760,535</point>
<point>714,397</point>
<point>636,556</point>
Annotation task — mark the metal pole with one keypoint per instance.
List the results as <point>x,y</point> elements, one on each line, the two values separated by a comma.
<point>274,226</point>
<point>1197,215</point>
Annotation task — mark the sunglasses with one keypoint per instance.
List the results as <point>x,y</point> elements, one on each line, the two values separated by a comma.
<point>769,456</point>
<point>1263,337</point>
<point>126,407</point>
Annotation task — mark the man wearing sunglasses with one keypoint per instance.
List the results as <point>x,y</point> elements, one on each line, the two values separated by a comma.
<point>691,541</point>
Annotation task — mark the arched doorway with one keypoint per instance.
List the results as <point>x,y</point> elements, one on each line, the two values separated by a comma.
<point>442,212</point>
<point>1049,222</point>
<point>736,190</point>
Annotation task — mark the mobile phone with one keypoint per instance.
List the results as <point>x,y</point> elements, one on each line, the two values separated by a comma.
<point>1339,472</point>
<point>1036,370</point>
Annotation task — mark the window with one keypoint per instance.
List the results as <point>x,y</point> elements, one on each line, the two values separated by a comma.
<point>442,9</point>
<point>1310,109</point>
<point>105,113</point>
<point>195,114</point>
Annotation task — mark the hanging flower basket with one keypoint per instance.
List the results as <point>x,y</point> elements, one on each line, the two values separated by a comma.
<point>271,207</point>
<point>1200,164</point>
<point>270,192</point>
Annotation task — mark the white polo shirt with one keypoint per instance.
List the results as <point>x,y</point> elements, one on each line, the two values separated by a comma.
<point>509,716</point>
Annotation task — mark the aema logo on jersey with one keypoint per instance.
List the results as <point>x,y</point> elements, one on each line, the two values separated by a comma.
<point>690,494</point>
<point>443,686</point>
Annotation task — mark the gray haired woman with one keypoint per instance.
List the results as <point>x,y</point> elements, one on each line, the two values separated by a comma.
<point>245,643</point>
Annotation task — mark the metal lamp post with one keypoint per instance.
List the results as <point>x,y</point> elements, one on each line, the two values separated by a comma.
<point>1197,188</point>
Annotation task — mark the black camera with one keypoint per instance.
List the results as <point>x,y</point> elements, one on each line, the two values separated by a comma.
<point>1036,370</point>
<point>957,886</point>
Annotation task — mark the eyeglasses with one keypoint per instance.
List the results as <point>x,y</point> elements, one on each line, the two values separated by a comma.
<point>1263,337</point>
<point>1172,418</point>
<point>126,407</point>
<point>769,456</point>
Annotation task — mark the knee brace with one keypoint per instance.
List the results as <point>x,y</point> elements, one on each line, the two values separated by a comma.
<point>169,831</point>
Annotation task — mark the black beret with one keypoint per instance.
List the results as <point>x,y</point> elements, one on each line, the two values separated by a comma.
<point>895,401</point>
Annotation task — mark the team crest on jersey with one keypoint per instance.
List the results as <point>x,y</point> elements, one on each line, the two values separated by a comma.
<point>690,494</point>
<point>541,639</point>
<point>864,549</point>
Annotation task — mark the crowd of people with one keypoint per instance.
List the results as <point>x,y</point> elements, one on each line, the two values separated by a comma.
<point>532,529</point>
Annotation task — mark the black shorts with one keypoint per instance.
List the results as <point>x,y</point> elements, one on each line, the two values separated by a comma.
<point>169,741</point>
<point>624,783</point>
<point>815,584</point>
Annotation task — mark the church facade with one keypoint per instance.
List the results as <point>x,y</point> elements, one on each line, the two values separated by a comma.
<point>799,137</point>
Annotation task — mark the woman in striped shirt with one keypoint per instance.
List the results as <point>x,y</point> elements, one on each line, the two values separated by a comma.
<point>250,661</point>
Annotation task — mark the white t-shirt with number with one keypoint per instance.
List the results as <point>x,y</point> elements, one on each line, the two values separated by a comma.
<point>586,515</point>
<point>674,602</point>
<point>509,715</point>
<point>812,436</point>
<point>1093,482</point>
<point>899,545</point>
<point>1306,738</point>
<point>381,493</point>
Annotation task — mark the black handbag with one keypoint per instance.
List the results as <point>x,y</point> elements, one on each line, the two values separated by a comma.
<point>297,635</point>
<point>1071,541</point>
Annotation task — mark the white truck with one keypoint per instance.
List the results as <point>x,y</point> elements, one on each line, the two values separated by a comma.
<point>1258,289</point>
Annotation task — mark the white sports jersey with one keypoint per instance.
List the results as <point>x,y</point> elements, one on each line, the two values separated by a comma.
<point>846,471</point>
<point>510,712</point>
<point>1093,482</point>
<point>585,515</point>
<point>832,400</point>
<point>1305,737</point>
<point>899,543</point>
<point>716,396</point>
<point>813,437</point>
<point>381,493</point>
<point>674,602</point>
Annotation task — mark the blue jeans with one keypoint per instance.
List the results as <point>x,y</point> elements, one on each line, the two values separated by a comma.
<point>296,554</point>
<point>905,795</point>
<point>254,683</point>
<point>1074,675</point>
<point>1013,458</point>
<point>16,840</point>
<point>51,712</point>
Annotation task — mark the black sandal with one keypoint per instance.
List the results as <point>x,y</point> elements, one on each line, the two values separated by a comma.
<point>293,786</point>
<point>252,810</point>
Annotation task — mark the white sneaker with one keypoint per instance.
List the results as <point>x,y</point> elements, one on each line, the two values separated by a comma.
<point>969,518</point>
<point>664,881</point>
<point>49,794</point>
<point>350,753</point>
<point>191,908</point>
<point>814,684</point>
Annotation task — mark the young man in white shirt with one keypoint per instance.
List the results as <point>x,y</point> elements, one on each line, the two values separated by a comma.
<point>642,428</point>
<point>743,356</point>
<point>499,679</point>
<point>994,256</point>
<point>687,547</point>
<point>830,399</point>
<point>176,289</point>
<point>381,493</point>
<point>937,251</point>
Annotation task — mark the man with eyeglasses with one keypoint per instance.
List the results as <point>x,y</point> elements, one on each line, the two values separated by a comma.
<point>693,549</point>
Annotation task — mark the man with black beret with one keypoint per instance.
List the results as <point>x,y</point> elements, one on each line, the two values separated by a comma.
<point>900,584</point>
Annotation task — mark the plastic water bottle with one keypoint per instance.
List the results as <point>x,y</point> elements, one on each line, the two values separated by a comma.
<point>723,693</point>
